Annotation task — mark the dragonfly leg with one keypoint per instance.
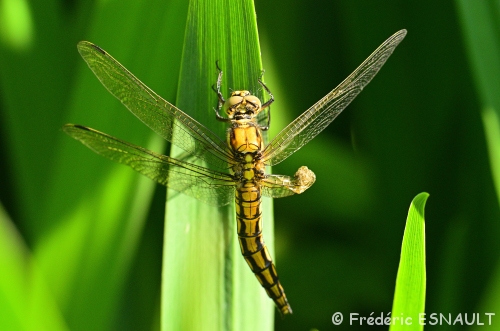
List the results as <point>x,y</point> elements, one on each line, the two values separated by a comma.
<point>268,103</point>
<point>271,97</point>
<point>221,101</point>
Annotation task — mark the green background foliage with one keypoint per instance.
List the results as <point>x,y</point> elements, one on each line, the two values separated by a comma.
<point>82,238</point>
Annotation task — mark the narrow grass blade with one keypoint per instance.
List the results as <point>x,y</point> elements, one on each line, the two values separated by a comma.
<point>409,296</point>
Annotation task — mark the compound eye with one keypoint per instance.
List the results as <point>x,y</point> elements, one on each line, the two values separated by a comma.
<point>254,101</point>
<point>231,104</point>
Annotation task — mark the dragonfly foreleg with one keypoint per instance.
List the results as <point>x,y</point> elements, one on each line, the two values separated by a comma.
<point>268,102</point>
<point>220,97</point>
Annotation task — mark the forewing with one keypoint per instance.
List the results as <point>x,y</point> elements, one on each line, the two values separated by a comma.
<point>212,187</point>
<point>320,115</point>
<point>157,113</point>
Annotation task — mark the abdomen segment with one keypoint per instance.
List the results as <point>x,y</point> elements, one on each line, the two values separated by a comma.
<point>253,248</point>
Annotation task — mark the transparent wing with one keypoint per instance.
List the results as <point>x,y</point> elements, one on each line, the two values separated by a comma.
<point>280,186</point>
<point>157,113</point>
<point>212,187</point>
<point>320,115</point>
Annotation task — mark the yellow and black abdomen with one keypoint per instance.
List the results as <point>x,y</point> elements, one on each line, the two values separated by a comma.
<point>253,248</point>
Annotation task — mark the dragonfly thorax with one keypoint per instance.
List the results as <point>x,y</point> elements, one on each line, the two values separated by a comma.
<point>245,138</point>
<point>241,105</point>
<point>250,168</point>
<point>246,142</point>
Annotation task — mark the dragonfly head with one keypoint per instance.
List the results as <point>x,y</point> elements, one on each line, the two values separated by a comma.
<point>242,105</point>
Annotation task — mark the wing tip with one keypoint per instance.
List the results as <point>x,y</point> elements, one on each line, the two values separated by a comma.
<point>70,128</point>
<point>82,45</point>
<point>400,35</point>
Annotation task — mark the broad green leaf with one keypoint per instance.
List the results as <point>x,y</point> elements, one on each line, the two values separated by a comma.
<point>207,285</point>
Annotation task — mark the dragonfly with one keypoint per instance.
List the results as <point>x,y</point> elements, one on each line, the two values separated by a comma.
<point>241,158</point>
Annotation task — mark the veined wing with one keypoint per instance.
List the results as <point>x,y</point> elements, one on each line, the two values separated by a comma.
<point>280,186</point>
<point>209,186</point>
<point>322,113</point>
<point>157,113</point>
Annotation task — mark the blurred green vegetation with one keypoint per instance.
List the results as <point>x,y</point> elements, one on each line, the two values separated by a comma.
<point>419,126</point>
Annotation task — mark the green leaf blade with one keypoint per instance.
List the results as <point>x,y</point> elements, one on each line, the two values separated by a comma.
<point>409,296</point>
<point>206,282</point>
